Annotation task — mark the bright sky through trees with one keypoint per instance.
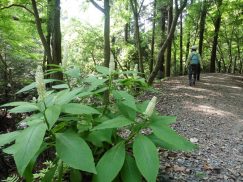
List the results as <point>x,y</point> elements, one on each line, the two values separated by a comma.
<point>84,11</point>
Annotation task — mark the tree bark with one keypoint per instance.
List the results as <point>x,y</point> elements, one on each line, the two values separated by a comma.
<point>56,40</point>
<point>168,59</point>
<point>153,38</point>
<point>215,38</point>
<point>40,31</point>
<point>178,11</point>
<point>202,25</point>
<point>134,5</point>
<point>107,49</point>
<point>181,45</point>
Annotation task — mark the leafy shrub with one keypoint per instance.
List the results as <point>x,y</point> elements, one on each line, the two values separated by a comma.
<point>102,142</point>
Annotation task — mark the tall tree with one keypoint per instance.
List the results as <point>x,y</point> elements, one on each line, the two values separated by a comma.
<point>170,41</point>
<point>217,23</point>
<point>153,39</point>
<point>181,44</point>
<point>136,11</point>
<point>178,11</point>
<point>51,43</point>
<point>204,9</point>
<point>106,11</point>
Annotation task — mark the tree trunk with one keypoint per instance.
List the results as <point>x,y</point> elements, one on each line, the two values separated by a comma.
<point>202,25</point>
<point>161,59</point>
<point>181,45</point>
<point>134,5</point>
<point>56,40</point>
<point>107,33</point>
<point>168,59</point>
<point>40,31</point>
<point>152,42</point>
<point>178,11</point>
<point>215,38</point>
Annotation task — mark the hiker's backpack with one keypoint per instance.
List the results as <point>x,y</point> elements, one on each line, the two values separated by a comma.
<point>195,59</point>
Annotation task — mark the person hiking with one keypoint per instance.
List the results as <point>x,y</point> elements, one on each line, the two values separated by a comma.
<point>193,65</point>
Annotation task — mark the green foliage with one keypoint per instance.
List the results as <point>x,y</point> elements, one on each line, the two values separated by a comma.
<point>88,136</point>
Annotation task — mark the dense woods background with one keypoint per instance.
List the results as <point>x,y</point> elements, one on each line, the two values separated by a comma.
<point>156,35</point>
<point>151,37</point>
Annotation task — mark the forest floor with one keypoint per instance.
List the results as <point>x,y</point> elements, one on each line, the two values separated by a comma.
<point>211,115</point>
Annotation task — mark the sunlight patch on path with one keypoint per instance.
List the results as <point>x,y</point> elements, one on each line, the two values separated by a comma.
<point>207,110</point>
<point>220,85</point>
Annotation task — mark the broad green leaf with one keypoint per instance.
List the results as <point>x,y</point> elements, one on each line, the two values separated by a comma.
<point>28,143</point>
<point>33,85</point>
<point>14,104</point>
<point>34,119</point>
<point>125,98</point>
<point>110,163</point>
<point>60,86</point>
<point>162,120</point>
<point>75,175</point>
<point>11,149</point>
<point>74,108</point>
<point>28,175</point>
<point>130,172</point>
<point>117,122</point>
<point>27,107</point>
<point>8,137</point>
<point>103,70</point>
<point>160,143</point>
<point>172,140</point>
<point>52,114</point>
<point>146,157</point>
<point>143,106</point>
<point>126,111</point>
<point>74,151</point>
<point>94,82</point>
<point>66,96</point>
<point>83,94</point>
<point>74,72</point>
<point>100,90</point>
<point>99,136</point>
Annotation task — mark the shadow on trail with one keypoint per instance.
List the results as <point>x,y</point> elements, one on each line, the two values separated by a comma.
<point>212,112</point>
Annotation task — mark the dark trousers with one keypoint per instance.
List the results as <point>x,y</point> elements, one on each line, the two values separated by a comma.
<point>199,71</point>
<point>193,72</point>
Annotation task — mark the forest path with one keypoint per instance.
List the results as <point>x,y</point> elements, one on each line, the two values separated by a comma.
<point>212,113</point>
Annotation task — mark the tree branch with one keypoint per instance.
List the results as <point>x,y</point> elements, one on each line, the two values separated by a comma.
<point>18,5</point>
<point>97,6</point>
<point>140,7</point>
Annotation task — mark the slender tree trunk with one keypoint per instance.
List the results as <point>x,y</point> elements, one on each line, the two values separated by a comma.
<point>107,33</point>
<point>174,57</point>
<point>40,31</point>
<point>202,25</point>
<point>188,42</point>
<point>56,40</point>
<point>161,59</point>
<point>235,62</point>
<point>168,60</point>
<point>178,11</point>
<point>152,42</point>
<point>215,38</point>
<point>134,5</point>
<point>239,54</point>
<point>222,58</point>
<point>181,45</point>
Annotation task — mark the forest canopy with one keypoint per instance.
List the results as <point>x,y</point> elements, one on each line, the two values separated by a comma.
<point>156,35</point>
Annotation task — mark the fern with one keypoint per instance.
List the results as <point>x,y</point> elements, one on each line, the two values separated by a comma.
<point>13,178</point>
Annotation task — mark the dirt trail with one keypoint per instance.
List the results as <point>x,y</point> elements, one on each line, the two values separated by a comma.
<point>212,113</point>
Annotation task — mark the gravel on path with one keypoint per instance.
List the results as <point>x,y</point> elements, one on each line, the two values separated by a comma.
<point>211,114</point>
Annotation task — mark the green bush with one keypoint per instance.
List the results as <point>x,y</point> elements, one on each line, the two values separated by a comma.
<point>96,141</point>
